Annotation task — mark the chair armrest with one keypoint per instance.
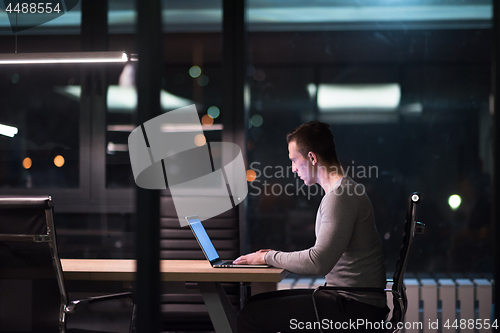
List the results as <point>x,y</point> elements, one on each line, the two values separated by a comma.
<point>395,293</point>
<point>70,308</point>
<point>419,228</point>
<point>367,289</point>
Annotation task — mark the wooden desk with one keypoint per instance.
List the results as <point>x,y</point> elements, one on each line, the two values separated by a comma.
<point>170,270</point>
<point>208,278</point>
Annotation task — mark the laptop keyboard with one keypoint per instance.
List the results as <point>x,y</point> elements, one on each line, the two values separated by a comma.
<point>226,263</point>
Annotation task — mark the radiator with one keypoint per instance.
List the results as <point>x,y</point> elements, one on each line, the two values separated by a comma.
<point>433,303</point>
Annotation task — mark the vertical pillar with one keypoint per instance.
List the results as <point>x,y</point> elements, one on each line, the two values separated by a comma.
<point>94,32</point>
<point>496,148</point>
<point>94,38</point>
<point>147,291</point>
<point>236,91</point>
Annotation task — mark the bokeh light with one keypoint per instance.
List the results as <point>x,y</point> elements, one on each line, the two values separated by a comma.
<point>454,201</point>
<point>213,112</point>
<point>257,120</point>
<point>199,140</point>
<point>195,71</point>
<point>202,80</point>
<point>59,161</point>
<point>27,163</point>
<point>251,175</point>
<point>206,120</point>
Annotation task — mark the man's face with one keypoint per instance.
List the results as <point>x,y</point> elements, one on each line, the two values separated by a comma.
<point>302,166</point>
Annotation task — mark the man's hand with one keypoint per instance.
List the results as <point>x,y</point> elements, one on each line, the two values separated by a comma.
<point>256,258</point>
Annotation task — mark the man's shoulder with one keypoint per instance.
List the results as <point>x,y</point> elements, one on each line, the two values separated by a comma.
<point>348,194</point>
<point>349,188</point>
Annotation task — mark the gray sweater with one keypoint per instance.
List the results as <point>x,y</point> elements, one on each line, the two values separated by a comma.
<point>347,249</point>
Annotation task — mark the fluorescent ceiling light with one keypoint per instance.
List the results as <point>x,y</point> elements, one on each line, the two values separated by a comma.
<point>282,13</point>
<point>268,16</point>
<point>358,97</point>
<point>356,13</point>
<point>122,99</point>
<point>167,128</point>
<point>7,130</point>
<point>121,128</point>
<point>189,127</point>
<point>114,147</point>
<point>412,109</point>
<point>63,58</point>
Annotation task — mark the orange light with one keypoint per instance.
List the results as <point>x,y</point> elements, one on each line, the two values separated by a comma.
<point>199,140</point>
<point>251,175</point>
<point>59,161</point>
<point>27,163</point>
<point>207,120</point>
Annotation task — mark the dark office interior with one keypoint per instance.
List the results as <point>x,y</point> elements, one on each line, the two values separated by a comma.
<point>256,69</point>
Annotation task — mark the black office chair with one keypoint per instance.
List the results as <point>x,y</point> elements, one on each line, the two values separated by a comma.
<point>398,288</point>
<point>33,293</point>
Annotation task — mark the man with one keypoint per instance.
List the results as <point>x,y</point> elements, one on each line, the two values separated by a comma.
<point>347,249</point>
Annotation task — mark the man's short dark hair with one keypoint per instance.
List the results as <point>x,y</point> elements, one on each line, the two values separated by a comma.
<point>317,137</point>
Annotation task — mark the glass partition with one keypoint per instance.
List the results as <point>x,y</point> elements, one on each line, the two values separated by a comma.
<point>39,127</point>
<point>191,75</point>
<point>405,88</point>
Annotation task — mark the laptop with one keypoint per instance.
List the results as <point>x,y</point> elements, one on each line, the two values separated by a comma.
<point>208,247</point>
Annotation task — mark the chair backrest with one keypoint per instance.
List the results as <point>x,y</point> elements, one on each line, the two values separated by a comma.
<point>410,228</point>
<point>31,281</point>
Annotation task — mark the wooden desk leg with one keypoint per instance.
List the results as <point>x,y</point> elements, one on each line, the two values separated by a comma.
<point>219,307</point>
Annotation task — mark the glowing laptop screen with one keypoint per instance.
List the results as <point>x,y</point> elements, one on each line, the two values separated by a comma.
<point>203,239</point>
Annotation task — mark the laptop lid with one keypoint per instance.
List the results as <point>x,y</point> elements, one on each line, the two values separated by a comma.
<point>203,239</point>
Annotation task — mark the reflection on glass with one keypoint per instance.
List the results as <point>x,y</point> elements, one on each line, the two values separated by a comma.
<point>180,89</point>
<point>408,105</point>
<point>39,128</point>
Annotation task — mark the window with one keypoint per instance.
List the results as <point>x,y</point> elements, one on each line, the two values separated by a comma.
<point>431,134</point>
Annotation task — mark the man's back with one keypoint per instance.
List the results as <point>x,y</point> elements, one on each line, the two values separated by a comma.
<point>362,261</point>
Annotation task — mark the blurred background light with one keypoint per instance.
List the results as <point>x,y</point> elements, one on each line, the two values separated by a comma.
<point>59,161</point>
<point>116,147</point>
<point>199,140</point>
<point>122,99</point>
<point>14,78</point>
<point>358,97</point>
<point>202,80</point>
<point>454,201</point>
<point>257,120</point>
<point>27,163</point>
<point>251,175</point>
<point>213,112</point>
<point>312,89</point>
<point>7,130</point>
<point>206,120</point>
<point>195,71</point>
